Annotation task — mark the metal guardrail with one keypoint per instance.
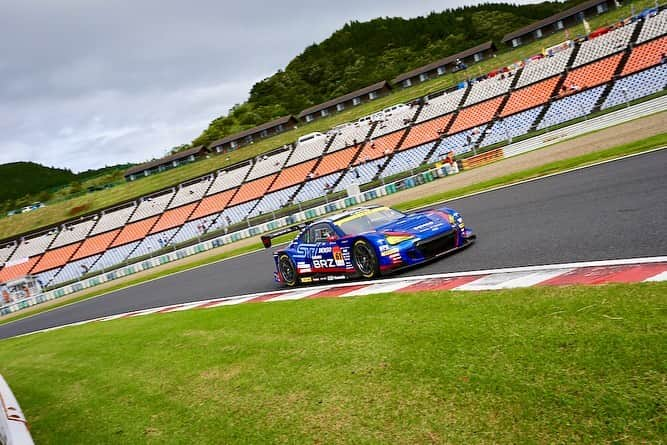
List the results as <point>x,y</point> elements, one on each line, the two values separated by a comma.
<point>13,426</point>
<point>536,142</point>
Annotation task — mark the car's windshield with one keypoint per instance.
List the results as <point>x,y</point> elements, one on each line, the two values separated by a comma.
<point>369,220</point>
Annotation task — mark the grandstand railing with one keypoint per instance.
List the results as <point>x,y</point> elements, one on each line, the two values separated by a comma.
<point>548,138</point>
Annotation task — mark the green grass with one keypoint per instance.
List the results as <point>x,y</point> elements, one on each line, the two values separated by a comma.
<point>649,143</point>
<point>65,209</point>
<point>541,365</point>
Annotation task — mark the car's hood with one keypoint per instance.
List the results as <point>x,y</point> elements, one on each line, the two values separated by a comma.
<point>417,224</point>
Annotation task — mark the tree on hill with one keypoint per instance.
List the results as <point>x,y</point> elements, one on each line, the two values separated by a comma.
<point>362,53</point>
<point>25,178</point>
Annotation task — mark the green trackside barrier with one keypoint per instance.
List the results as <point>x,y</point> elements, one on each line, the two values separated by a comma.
<point>129,270</point>
<point>111,276</point>
<point>409,183</point>
<point>40,299</point>
<point>272,225</point>
<point>428,176</point>
<point>199,248</point>
<point>253,231</point>
<point>23,304</point>
<point>371,194</point>
<point>146,265</point>
<point>93,282</point>
<point>164,259</point>
<point>236,236</point>
<point>350,201</point>
<point>390,188</point>
<point>59,293</point>
<point>77,287</point>
<point>310,213</point>
<point>329,208</point>
<point>180,254</point>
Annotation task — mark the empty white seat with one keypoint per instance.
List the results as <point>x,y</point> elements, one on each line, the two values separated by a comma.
<point>308,150</point>
<point>395,122</point>
<point>72,233</point>
<point>228,179</point>
<point>267,165</point>
<point>33,246</point>
<point>441,105</point>
<point>350,134</point>
<point>653,27</point>
<point>191,192</point>
<point>604,45</point>
<point>151,206</point>
<point>112,219</point>
<point>6,251</point>
<point>488,88</point>
<point>540,69</point>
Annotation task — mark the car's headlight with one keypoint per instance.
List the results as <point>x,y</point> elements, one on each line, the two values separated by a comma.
<point>398,238</point>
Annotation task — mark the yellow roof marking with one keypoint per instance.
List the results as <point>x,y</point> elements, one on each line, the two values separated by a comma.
<point>358,215</point>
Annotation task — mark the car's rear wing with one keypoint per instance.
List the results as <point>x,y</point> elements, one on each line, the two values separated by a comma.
<point>266,239</point>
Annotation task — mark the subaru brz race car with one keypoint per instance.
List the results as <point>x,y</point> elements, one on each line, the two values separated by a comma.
<point>366,242</point>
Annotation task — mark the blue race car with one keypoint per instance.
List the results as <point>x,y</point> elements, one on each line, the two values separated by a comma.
<point>366,242</point>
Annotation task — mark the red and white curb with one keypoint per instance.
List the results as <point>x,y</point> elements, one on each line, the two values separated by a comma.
<point>632,270</point>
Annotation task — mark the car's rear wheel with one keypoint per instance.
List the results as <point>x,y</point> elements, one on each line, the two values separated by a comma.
<point>364,259</point>
<point>287,270</point>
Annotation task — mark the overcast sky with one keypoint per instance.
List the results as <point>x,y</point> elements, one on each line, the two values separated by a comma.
<point>88,83</point>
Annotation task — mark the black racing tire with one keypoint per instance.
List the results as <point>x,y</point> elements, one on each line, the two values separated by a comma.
<point>365,259</point>
<point>287,270</point>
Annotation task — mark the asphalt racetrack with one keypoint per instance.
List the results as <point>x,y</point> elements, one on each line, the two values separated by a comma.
<point>614,210</point>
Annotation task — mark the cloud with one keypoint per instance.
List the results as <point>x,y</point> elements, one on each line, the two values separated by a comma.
<point>88,83</point>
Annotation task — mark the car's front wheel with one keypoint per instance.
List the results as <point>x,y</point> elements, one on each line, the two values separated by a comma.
<point>364,259</point>
<point>287,270</point>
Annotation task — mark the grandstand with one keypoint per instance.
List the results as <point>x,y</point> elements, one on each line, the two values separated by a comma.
<point>622,64</point>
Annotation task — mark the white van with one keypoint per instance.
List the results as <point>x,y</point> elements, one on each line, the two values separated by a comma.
<point>309,137</point>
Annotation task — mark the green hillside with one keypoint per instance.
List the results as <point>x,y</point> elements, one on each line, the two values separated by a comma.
<point>23,178</point>
<point>362,53</point>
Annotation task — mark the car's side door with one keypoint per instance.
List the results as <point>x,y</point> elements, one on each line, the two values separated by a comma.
<point>324,237</point>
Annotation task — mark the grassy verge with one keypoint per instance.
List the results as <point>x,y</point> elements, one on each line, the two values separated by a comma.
<point>72,207</point>
<point>554,167</point>
<point>557,365</point>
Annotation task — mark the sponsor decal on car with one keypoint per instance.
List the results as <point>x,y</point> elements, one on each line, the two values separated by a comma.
<point>338,257</point>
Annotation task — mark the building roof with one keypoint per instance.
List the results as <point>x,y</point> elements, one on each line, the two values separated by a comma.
<point>167,159</point>
<point>552,19</point>
<point>249,131</point>
<point>447,60</point>
<point>344,98</point>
